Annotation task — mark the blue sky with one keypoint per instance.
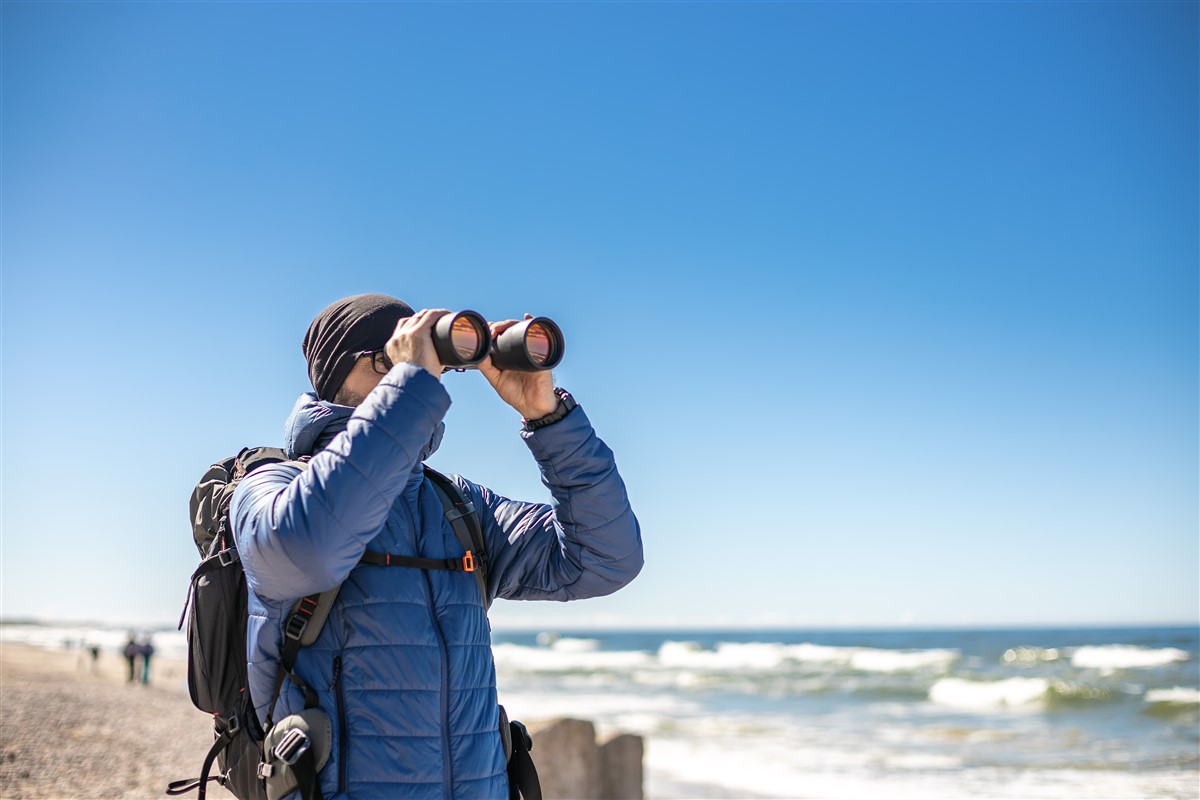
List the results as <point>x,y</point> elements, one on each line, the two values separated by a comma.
<point>889,311</point>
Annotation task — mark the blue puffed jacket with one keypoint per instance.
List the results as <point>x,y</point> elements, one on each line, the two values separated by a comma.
<point>404,664</point>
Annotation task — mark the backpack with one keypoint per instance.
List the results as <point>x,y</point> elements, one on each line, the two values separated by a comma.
<point>250,759</point>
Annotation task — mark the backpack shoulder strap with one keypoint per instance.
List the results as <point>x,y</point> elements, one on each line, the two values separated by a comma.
<point>304,624</point>
<point>464,518</point>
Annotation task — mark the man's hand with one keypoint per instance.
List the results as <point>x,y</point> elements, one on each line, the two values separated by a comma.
<point>530,393</point>
<point>412,341</point>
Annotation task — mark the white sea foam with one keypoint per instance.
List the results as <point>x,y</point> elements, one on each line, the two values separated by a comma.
<point>518,658</point>
<point>609,710</point>
<point>923,761</point>
<point>752,655</point>
<point>1008,693</point>
<point>769,656</point>
<point>744,766</point>
<point>671,678</point>
<point>726,656</point>
<point>1124,656</point>
<point>683,664</point>
<point>1180,695</point>
<point>575,645</point>
<point>869,660</point>
<point>820,653</point>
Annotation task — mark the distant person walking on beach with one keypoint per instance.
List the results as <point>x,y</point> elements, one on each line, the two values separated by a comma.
<point>404,664</point>
<point>132,651</point>
<point>147,650</point>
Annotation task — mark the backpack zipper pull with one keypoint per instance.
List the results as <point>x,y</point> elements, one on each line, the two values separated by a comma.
<point>187,601</point>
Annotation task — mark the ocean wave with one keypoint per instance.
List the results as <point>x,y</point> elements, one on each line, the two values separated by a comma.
<point>1066,694</point>
<point>868,660</point>
<point>1124,656</point>
<point>769,656</point>
<point>1007,693</point>
<point>635,712</point>
<point>1042,692</point>
<point>519,658</point>
<point>751,666</point>
<point>726,656</point>
<point>575,645</point>
<point>1180,695</point>
<point>820,653</point>
<point>1031,655</point>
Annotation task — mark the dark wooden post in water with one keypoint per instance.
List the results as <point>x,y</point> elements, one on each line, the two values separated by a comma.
<point>572,765</point>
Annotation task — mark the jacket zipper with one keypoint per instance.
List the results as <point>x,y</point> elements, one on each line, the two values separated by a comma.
<point>343,731</point>
<point>448,789</point>
<point>444,664</point>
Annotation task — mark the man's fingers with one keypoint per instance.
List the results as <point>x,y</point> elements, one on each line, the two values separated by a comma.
<point>498,328</point>
<point>425,318</point>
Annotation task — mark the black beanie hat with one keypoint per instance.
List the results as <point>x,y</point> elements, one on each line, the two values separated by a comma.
<point>349,326</point>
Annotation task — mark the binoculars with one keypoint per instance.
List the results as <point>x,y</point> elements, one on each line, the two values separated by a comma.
<point>462,339</point>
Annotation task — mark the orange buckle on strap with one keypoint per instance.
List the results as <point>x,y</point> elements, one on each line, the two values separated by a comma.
<point>469,562</point>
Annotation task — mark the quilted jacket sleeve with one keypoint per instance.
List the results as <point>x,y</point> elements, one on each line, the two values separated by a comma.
<point>587,543</point>
<point>300,535</point>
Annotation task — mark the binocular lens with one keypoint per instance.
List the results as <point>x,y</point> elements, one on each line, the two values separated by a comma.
<point>461,339</point>
<point>464,336</point>
<point>539,343</point>
<point>532,345</point>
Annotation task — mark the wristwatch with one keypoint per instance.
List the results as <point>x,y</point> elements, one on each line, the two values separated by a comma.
<point>566,404</point>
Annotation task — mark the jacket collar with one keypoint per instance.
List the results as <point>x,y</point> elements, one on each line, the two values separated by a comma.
<point>313,423</point>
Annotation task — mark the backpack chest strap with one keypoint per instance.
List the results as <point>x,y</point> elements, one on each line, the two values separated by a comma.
<point>464,564</point>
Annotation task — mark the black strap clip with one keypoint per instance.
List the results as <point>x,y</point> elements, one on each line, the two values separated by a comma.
<point>228,726</point>
<point>295,626</point>
<point>293,745</point>
<point>299,620</point>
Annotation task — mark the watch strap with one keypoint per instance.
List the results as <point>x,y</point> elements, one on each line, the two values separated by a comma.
<point>566,404</point>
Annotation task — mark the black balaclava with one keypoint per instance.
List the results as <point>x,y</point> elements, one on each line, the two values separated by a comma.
<point>349,326</point>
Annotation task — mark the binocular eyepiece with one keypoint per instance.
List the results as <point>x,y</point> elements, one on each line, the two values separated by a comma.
<point>463,339</point>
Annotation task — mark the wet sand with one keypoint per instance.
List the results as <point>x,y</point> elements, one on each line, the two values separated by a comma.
<point>68,730</point>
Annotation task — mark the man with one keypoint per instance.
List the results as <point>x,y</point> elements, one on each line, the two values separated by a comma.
<point>403,664</point>
<point>131,653</point>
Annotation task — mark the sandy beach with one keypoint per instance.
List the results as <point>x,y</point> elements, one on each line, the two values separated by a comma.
<point>68,730</point>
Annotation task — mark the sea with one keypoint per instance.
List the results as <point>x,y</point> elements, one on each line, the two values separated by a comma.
<point>1021,713</point>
